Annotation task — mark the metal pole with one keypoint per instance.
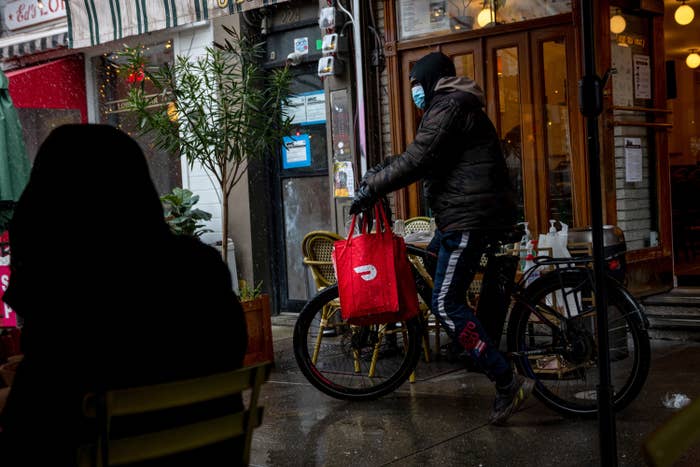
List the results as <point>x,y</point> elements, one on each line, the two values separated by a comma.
<point>591,106</point>
<point>359,76</point>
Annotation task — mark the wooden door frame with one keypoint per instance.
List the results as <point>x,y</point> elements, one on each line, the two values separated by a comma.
<point>579,161</point>
<point>532,186</point>
<point>475,46</point>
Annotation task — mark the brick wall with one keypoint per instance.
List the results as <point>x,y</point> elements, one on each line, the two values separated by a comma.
<point>384,94</point>
<point>384,98</point>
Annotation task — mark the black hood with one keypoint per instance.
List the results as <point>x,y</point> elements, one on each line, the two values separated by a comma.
<point>429,70</point>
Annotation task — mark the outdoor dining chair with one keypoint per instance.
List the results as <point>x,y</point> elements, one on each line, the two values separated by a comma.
<point>106,407</point>
<point>416,224</point>
<point>317,247</point>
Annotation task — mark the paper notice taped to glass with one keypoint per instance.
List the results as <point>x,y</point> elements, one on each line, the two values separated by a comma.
<point>633,160</point>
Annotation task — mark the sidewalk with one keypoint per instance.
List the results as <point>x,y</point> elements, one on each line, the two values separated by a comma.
<point>442,419</point>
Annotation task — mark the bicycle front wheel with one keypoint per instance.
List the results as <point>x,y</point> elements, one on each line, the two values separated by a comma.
<point>558,346</point>
<point>353,362</point>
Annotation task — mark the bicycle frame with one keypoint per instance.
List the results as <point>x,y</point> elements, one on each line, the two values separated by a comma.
<point>512,292</point>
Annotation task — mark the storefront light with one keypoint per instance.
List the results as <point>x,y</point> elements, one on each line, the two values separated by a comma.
<point>617,24</point>
<point>684,14</point>
<point>693,59</point>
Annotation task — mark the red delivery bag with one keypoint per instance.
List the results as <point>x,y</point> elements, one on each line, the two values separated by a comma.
<point>375,282</point>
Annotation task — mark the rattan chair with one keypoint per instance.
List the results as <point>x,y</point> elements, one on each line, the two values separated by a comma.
<point>172,436</point>
<point>317,247</point>
<point>416,224</point>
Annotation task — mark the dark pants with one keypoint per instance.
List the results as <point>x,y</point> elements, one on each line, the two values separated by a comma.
<point>458,256</point>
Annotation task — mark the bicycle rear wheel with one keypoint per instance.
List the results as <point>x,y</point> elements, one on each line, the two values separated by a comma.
<point>559,349</point>
<point>353,362</point>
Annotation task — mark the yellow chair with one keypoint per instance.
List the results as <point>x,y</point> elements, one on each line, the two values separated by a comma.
<point>668,443</point>
<point>416,224</point>
<point>317,247</point>
<point>176,438</point>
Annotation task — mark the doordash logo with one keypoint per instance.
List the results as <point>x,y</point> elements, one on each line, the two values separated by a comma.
<point>367,272</point>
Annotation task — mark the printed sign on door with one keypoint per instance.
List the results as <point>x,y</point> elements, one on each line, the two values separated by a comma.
<point>7,316</point>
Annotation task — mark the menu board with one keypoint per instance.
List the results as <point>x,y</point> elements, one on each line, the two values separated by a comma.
<point>308,108</point>
<point>418,17</point>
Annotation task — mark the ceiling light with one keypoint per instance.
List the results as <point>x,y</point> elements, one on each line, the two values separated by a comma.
<point>693,59</point>
<point>617,24</point>
<point>684,14</point>
<point>485,17</point>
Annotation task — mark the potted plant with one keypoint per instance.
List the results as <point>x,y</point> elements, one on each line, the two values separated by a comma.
<point>181,215</point>
<point>218,110</point>
<point>256,308</point>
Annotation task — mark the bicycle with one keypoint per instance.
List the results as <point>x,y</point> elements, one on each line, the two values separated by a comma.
<point>550,335</point>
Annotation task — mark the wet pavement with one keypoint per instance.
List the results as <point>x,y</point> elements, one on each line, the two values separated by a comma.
<point>441,419</point>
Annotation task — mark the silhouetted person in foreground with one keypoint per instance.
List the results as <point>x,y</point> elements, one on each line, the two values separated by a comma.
<point>109,297</point>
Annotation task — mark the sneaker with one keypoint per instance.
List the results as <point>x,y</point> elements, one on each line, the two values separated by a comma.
<point>509,399</point>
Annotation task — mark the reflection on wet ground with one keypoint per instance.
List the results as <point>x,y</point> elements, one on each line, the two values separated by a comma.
<point>442,420</point>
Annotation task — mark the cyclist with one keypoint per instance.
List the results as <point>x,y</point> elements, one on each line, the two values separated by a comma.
<point>458,154</point>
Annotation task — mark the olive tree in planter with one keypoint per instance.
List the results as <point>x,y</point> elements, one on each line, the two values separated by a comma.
<point>218,110</point>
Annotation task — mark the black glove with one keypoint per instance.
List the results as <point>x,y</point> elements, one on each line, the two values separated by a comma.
<point>364,199</point>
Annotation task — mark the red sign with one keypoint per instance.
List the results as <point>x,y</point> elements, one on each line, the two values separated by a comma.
<point>24,13</point>
<point>7,316</point>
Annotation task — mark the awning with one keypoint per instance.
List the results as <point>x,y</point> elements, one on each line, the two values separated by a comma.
<point>59,84</point>
<point>93,22</point>
<point>17,45</point>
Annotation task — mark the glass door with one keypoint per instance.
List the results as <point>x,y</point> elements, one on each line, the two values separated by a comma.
<point>529,93</point>
<point>558,124</point>
<point>509,105</point>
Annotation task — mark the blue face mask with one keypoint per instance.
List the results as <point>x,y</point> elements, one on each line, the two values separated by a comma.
<point>418,96</point>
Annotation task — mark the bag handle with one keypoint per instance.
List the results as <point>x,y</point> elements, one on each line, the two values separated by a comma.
<point>380,214</point>
<point>383,227</point>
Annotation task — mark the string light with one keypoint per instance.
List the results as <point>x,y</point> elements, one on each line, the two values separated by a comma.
<point>693,59</point>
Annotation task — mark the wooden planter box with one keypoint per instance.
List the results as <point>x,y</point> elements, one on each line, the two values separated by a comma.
<point>257,317</point>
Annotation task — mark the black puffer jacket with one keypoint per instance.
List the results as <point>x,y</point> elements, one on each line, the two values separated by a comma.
<point>458,154</point>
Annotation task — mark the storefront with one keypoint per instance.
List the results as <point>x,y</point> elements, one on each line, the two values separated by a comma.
<point>47,80</point>
<point>47,96</point>
<point>526,55</point>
